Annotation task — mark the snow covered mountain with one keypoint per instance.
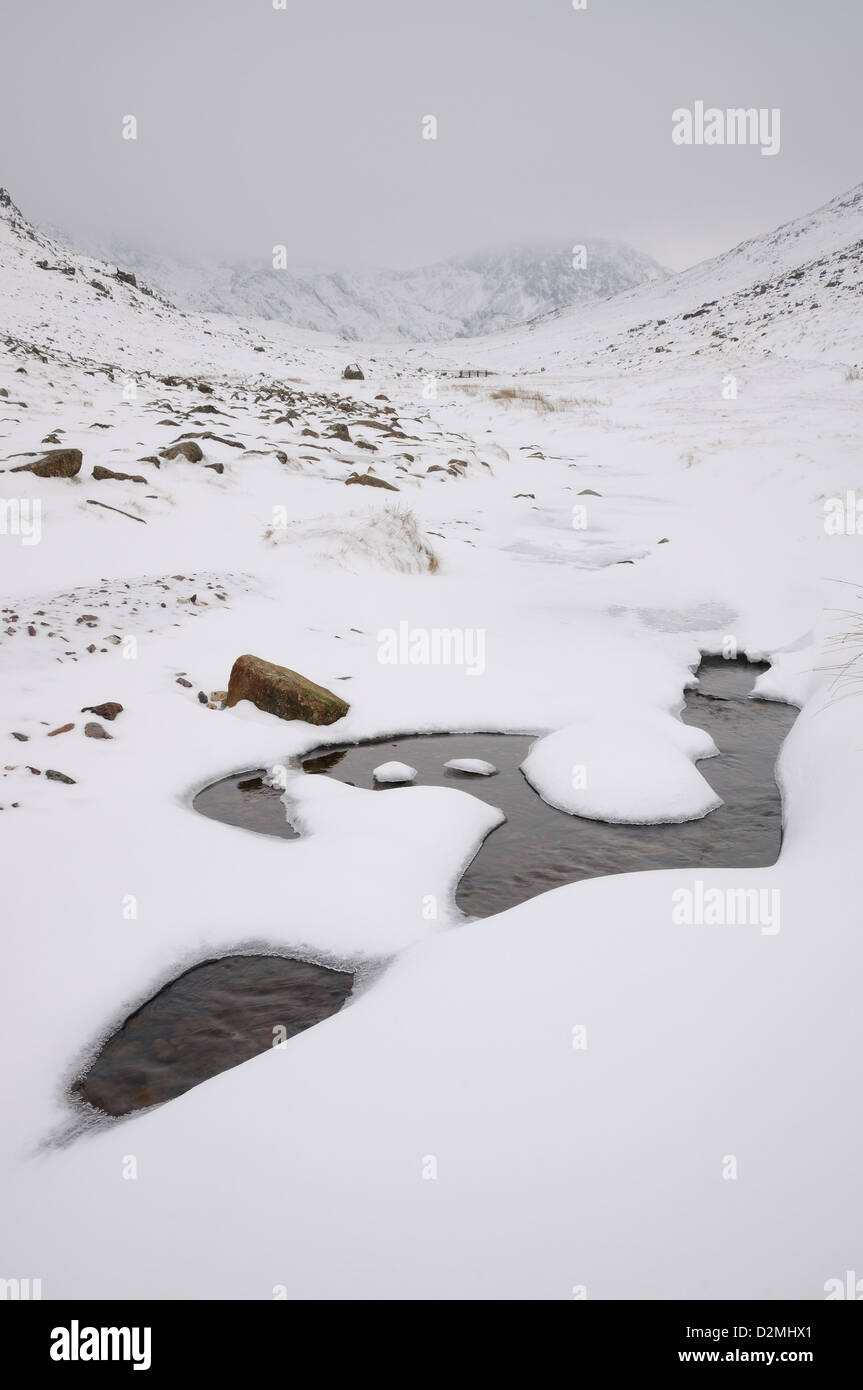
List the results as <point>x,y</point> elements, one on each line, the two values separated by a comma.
<point>456,298</point>
<point>793,292</point>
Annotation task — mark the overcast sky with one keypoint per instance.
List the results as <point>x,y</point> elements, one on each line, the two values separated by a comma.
<point>303,126</point>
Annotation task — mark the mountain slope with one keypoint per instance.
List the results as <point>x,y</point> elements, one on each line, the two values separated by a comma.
<point>794,291</point>
<point>461,297</point>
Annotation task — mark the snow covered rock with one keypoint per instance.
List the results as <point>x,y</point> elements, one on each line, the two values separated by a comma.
<point>624,764</point>
<point>353,373</point>
<point>57,463</point>
<point>394,772</point>
<point>184,448</point>
<point>475,765</point>
<point>284,693</point>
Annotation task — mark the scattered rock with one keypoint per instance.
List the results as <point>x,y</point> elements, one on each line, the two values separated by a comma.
<point>202,698</point>
<point>282,692</point>
<point>216,467</point>
<point>54,776</point>
<point>100,473</point>
<point>184,448</point>
<point>126,278</point>
<point>91,502</point>
<point>22,738</point>
<point>185,683</point>
<point>93,730</point>
<point>353,373</point>
<point>109,710</point>
<point>664,541</point>
<point>369,481</point>
<point>589,492</point>
<point>340,431</point>
<point>57,463</point>
<point>63,729</point>
<point>531,495</point>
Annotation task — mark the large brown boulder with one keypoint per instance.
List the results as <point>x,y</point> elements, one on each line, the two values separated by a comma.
<point>57,463</point>
<point>288,695</point>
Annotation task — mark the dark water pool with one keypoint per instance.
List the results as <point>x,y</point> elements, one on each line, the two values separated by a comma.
<point>223,1012</point>
<point>211,1018</point>
<point>538,847</point>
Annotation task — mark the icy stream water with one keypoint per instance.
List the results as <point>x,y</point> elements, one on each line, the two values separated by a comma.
<point>222,1012</point>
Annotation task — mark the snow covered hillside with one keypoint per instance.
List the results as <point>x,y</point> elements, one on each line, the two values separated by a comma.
<point>460,297</point>
<point>793,292</point>
<point>603,513</point>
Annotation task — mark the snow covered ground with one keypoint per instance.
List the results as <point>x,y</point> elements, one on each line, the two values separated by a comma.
<point>584,1095</point>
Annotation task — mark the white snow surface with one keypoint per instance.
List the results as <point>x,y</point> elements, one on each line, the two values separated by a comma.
<point>703,525</point>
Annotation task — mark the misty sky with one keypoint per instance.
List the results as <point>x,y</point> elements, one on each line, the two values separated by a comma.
<point>302,126</point>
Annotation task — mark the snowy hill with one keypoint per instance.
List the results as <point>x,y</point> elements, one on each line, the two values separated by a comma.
<point>794,291</point>
<point>460,297</point>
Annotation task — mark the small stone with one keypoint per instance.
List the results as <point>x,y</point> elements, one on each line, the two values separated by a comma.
<point>93,730</point>
<point>22,738</point>
<point>202,697</point>
<point>63,729</point>
<point>54,776</point>
<point>109,710</point>
<point>187,684</point>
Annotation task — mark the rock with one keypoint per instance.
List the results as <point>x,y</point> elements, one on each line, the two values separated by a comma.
<point>54,776</point>
<point>109,710</point>
<point>531,495</point>
<point>381,398</point>
<point>63,729</point>
<point>184,448</point>
<point>93,730</point>
<point>57,463</point>
<point>340,431</point>
<point>202,698</point>
<point>22,738</point>
<point>369,481</point>
<point>476,766</point>
<point>282,692</point>
<point>99,473</point>
<point>187,684</point>
<point>126,278</point>
<point>589,492</point>
<point>216,467</point>
<point>219,697</point>
<point>664,541</point>
<point>365,444</point>
<point>353,373</point>
<point>394,773</point>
